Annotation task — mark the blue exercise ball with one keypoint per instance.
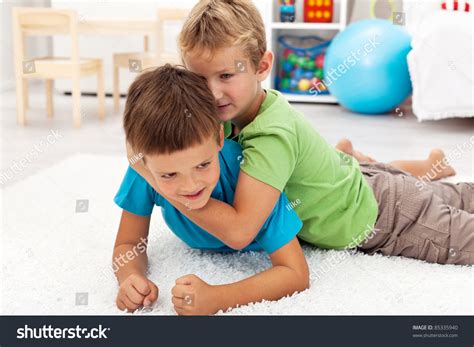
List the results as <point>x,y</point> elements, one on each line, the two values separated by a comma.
<point>366,66</point>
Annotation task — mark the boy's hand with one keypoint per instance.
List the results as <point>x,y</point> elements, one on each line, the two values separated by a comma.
<point>135,291</point>
<point>193,296</point>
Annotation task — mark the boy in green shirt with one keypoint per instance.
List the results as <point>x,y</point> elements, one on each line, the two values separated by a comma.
<point>342,204</point>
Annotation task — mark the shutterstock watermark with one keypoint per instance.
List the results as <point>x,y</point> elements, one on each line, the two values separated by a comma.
<point>349,61</point>
<point>124,258</point>
<point>350,249</point>
<point>441,165</point>
<point>38,148</point>
<point>49,332</point>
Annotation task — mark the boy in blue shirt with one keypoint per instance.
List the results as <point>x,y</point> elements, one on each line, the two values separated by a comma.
<point>170,119</point>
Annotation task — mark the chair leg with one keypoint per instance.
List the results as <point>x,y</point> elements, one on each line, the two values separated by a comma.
<point>49,97</point>
<point>101,92</point>
<point>116,89</point>
<point>26,94</point>
<point>20,101</point>
<point>76,101</point>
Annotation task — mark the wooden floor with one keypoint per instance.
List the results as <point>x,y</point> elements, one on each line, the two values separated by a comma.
<point>386,138</point>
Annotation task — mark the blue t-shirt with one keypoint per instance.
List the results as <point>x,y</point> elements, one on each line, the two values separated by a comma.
<point>137,196</point>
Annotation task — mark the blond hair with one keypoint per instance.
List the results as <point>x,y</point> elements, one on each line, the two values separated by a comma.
<point>214,24</point>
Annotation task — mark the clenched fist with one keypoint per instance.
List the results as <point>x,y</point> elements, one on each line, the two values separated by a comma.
<point>193,296</point>
<point>135,291</point>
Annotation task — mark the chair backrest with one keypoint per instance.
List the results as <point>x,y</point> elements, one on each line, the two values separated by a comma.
<point>32,21</point>
<point>165,15</point>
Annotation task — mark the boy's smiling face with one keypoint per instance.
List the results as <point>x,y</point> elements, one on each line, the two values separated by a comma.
<point>190,175</point>
<point>233,80</point>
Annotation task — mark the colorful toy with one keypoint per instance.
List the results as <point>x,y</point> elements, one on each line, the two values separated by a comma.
<point>292,58</point>
<point>319,61</point>
<point>287,10</point>
<point>377,80</point>
<point>308,75</point>
<point>310,65</point>
<point>285,83</point>
<point>287,66</point>
<point>293,84</point>
<point>319,73</point>
<point>319,11</point>
<point>304,84</point>
<point>318,85</point>
<point>301,64</point>
<point>297,73</point>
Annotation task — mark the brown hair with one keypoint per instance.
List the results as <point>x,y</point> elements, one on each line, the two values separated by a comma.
<point>169,109</point>
<point>213,24</point>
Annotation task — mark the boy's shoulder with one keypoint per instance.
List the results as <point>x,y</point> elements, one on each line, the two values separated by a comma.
<point>275,115</point>
<point>274,102</point>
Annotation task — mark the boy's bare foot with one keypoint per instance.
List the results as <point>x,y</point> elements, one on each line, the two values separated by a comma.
<point>345,145</point>
<point>439,168</point>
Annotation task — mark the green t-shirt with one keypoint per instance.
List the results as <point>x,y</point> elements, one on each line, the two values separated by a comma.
<point>227,129</point>
<point>324,186</point>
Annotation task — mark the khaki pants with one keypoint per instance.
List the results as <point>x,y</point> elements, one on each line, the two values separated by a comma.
<point>432,221</point>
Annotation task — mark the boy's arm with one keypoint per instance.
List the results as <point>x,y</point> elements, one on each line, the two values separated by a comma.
<point>132,234</point>
<point>235,225</point>
<point>289,274</point>
<point>130,263</point>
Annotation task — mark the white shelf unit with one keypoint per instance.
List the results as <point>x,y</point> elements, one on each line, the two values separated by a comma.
<point>275,28</point>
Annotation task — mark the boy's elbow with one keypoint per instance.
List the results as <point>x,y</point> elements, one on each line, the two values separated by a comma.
<point>242,238</point>
<point>303,279</point>
<point>304,283</point>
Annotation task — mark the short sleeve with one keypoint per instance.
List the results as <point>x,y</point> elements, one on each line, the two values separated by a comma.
<point>135,194</point>
<point>270,158</point>
<point>280,227</point>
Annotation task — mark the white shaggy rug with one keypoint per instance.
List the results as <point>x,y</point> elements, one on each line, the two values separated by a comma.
<point>50,253</point>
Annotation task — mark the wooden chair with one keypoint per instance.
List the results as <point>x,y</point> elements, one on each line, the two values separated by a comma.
<point>138,61</point>
<point>50,22</point>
